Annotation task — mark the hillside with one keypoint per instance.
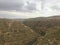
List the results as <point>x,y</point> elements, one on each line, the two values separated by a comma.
<point>42,31</point>
<point>52,37</point>
<point>48,29</point>
<point>42,24</point>
<point>43,18</point>
<point>15,33</point>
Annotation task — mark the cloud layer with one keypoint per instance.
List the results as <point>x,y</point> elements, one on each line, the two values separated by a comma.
<point>27,5</point>
<point>18,5</point>
<point>44,7</point>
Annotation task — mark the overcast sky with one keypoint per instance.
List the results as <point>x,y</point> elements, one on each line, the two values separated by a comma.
<point>29,8</point>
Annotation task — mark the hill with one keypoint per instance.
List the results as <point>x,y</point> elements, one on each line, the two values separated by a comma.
<point>15,33</point>
<point>48,28</point>
<point>35,31</point>
<point>42,24</point>
<point>42,18</point>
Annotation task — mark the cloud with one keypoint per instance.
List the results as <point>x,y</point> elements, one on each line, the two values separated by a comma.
<point>31,6</point>
<point>26,5</point>
<point>28,8</point>
<point>56,7</point>
<point>15,14</point>
<point>18,5</point>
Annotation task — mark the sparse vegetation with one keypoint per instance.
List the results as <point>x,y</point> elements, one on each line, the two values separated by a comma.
<point>17,34</point>
<point>30,32</point>
<point>48,29</point>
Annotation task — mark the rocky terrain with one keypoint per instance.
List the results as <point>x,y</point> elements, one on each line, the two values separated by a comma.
<point>35,31</point>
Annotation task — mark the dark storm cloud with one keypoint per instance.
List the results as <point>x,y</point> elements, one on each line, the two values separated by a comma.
<point>18,5</point>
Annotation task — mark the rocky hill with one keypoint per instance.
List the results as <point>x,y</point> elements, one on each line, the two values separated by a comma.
<point>42,24</point>
<point>48,29</point>
<point>15,33</point>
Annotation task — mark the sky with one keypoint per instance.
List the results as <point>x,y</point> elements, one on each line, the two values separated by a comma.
<point>29,8</point>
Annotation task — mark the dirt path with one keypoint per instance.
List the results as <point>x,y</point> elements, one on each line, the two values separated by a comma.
<point>10,24</point>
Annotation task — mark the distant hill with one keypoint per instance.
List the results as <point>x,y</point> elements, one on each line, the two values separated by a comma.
<point>43,18</point>
<point>55,17</point>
